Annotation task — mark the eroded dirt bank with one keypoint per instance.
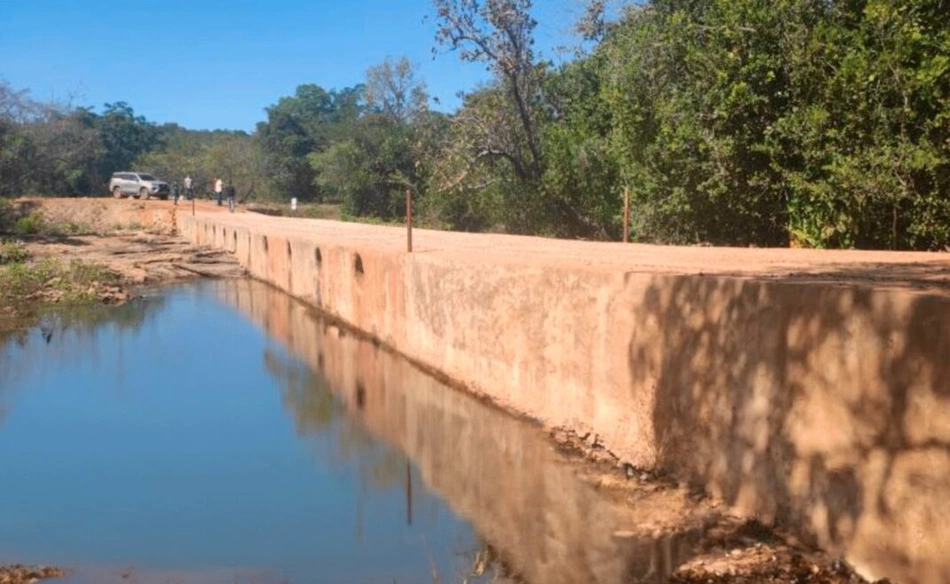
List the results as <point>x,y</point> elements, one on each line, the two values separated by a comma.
<point>68,251</point>
<point>17,574</point>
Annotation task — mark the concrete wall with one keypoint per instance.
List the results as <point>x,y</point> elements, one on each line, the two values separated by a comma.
<point>825,407</point>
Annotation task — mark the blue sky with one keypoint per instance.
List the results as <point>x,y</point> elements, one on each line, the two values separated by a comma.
<point>218,63</point>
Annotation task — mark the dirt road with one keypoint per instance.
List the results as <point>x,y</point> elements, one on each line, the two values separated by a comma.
<point>917,270</point>
<point>879,269</point>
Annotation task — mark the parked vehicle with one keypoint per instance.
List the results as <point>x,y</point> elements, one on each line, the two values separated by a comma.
<point>139,185</point>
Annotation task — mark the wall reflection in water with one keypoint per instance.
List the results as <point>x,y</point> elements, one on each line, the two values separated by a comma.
<point>540,522</point>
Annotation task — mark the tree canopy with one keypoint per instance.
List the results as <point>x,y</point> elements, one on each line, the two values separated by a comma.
<point>818,123</point>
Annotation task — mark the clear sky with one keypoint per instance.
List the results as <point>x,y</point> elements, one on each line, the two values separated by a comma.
<point>210,64</point>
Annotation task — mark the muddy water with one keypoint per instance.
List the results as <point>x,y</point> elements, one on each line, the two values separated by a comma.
<point>223,433</point>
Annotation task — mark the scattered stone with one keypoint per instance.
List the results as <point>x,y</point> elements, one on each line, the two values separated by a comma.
<point>18,574</point>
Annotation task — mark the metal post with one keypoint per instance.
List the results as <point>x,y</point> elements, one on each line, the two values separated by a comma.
<point>409,220</point>
<point>408,493</point>
<point>626,214</point>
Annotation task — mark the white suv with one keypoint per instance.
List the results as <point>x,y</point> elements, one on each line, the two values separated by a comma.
<point>137,184</point>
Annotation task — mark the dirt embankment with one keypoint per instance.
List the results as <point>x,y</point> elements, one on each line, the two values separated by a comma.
<point>17,574</point>
<point>97,250</point>
<point>724,548</point>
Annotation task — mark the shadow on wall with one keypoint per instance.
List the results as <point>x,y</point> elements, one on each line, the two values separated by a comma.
<point>909,276</point>
<point>824,408</point>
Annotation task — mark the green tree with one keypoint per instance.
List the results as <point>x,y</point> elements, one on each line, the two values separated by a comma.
<point>381,156</point>
<point>300,125</point>
<point>124,137</point>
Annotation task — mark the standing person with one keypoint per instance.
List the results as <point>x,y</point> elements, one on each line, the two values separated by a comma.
<point>175,192</point>
<point>230,193</point>
<point>218,190</point>
<point>188,185</point>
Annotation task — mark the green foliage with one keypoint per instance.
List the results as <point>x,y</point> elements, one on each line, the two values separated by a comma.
<point>125,137</point>
<point>31,224</point>
<point>301,125</point>
<point>581,174</point>
<point>820,124</point>
<point>369,172</point>
<point>204,155</point>
<point>6,215</point>
<point>12,252</point>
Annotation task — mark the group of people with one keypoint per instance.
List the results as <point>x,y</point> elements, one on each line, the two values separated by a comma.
<point>221,191</point>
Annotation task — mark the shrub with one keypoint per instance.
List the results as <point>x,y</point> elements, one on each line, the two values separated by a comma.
<point>29,225</point>
<point>12,252</point>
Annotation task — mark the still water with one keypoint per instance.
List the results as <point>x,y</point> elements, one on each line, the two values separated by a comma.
<point>168,439</point>
<point>225,433</point>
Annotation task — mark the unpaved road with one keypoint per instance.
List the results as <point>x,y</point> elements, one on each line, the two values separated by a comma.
<point>915,270</point>
<point>879,269</point>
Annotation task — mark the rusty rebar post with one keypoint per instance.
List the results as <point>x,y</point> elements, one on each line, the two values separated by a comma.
<point>626,214</point>
<point>409,220</point>
<point>408,493</point>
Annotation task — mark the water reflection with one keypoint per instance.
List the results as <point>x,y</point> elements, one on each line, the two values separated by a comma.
<point>538,520</point>
<point>67,335</point>
<point>175,438</point>
<point>155,445</point>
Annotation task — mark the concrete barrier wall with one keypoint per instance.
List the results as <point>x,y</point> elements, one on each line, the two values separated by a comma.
<point>826,407</point>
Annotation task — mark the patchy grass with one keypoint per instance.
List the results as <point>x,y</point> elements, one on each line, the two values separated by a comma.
<point>120,227</point>
<point>304,210</point>
<point>51,281</point>
<point>371,220</point>
<point>37,224</point>
<point>320,211</point>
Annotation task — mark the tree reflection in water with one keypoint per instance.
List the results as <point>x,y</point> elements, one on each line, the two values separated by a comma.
<point>66,337</point>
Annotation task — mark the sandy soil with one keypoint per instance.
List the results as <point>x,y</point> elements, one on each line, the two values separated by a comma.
<point>143,258</point>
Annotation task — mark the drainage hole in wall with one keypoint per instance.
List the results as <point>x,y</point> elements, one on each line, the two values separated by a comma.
<point>358,264</point>
<point>360,395</point>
